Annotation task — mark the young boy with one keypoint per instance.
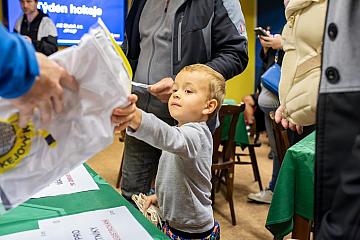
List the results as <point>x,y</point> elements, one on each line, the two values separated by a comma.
<point>183,182</point>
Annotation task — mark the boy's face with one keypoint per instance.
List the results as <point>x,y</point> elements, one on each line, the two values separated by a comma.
<point>28,6</point>
<point>190,97</point>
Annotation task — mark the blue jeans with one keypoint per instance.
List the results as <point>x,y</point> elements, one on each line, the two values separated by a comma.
<point>139,168</point>
<point>270,133</point>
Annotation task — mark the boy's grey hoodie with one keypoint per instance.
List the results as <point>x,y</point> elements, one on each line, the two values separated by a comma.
<point>183,181</point>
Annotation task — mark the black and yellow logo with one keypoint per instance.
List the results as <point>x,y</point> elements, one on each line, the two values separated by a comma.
<point>15,142</point>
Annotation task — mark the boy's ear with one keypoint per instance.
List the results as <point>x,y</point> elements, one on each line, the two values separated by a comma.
<point>211,106</point>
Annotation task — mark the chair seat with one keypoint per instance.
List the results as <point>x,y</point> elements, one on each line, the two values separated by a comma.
<point>281,137</point>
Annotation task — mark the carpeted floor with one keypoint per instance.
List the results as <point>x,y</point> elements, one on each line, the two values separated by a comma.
<point>250,216</point>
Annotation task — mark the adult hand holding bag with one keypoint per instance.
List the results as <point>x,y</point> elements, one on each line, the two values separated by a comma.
<point>34,156</point>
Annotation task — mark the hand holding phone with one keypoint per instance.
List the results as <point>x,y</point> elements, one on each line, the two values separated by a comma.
<point>261,32</point>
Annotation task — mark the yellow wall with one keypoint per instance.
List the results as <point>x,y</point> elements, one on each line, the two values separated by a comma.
<point>243,84</point>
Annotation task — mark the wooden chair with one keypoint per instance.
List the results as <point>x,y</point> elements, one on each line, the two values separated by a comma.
<point>302,226</point>
<point>281,138</point>
<point>254,142</point>
<point>224,154</point>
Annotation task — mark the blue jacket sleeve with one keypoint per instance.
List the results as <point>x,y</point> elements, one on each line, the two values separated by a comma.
<point>18,65</point>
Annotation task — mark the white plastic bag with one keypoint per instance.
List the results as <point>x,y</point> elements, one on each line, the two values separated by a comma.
<point>34,156</point>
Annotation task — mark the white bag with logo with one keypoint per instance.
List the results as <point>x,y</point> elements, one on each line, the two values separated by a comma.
<point>34,156</point>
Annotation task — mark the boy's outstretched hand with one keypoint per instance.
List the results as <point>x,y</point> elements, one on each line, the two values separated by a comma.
<point>128,116</point>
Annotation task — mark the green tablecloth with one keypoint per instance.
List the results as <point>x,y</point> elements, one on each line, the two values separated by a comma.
<point>26,216</point>
<point>294,190</point>
<point>241,136</point>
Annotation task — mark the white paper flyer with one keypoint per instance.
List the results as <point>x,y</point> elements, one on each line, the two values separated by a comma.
<point>78,180</point>
<point>108,224</point>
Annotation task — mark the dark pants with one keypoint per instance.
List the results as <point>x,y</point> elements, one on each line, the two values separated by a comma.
<point>140,166</point>
<point>337,167</point>
<point>294,137</point>
<point>270,133</point>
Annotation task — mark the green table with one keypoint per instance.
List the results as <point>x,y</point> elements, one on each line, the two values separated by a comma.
<point>241,137</point>
<point>294,190</point>
<point>26,216</point>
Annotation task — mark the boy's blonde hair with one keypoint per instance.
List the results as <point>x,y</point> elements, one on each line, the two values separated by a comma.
<point>216,81</point>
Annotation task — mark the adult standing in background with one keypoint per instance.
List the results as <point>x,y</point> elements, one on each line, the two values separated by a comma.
<point>31,80</point>
<point>300,72</point>
<point>337,166</point>
<point>37,27</point>
<point>161,38</point>
<point>270,53</point>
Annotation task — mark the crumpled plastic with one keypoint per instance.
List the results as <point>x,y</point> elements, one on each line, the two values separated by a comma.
<point>34,156</point>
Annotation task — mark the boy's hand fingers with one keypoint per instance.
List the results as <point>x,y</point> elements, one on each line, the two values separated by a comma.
<point>125,111</point>
<point>132,98</point>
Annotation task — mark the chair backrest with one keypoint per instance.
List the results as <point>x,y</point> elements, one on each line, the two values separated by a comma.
<point>228,147</point>
<point>281,137</point>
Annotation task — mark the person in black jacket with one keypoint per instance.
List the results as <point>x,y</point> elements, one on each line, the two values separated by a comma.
<point>337,162</point>
<point>337,166</point>
<point>161,38</point>
<point>37,28</point>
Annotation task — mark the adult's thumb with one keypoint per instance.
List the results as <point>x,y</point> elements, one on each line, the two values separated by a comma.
<point>68,81</point>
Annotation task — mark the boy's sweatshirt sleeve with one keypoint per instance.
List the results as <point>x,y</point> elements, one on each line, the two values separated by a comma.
<point>183,141</point>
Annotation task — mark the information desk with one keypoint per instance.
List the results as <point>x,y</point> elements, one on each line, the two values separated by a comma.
<point>26,216</point>
<point>294,190</point>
